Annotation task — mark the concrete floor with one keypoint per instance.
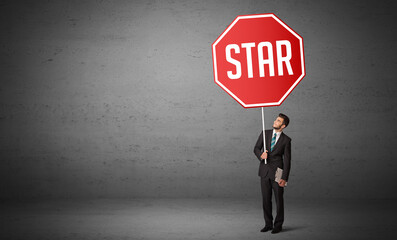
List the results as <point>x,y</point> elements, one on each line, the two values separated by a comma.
<point>195,219</point>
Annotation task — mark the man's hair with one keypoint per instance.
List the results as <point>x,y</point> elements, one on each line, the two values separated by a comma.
<point>285,119</point>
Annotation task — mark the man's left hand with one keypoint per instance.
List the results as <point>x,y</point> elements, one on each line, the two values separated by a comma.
<point>282,183</point>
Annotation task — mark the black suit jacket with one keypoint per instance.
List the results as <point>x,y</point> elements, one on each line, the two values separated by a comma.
<point>279,157</point>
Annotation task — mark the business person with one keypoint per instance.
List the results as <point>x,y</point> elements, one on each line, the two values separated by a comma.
<point>278,154</point>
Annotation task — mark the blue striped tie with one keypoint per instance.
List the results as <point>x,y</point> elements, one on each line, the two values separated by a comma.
<point>273,142</point>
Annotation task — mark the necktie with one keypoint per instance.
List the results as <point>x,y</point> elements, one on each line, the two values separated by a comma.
<point>273,142</point>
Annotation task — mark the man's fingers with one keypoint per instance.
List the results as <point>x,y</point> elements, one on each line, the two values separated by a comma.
<point>281,183</point>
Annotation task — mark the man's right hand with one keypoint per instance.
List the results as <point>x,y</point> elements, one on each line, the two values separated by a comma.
<point>264,155</point>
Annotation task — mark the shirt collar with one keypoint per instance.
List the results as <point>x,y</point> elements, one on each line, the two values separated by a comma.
<point>278,133</point>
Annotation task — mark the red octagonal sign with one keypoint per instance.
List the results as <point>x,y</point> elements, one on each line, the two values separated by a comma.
<point>258,60</point>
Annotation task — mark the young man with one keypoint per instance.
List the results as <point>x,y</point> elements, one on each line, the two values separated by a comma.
<point>278,155</point>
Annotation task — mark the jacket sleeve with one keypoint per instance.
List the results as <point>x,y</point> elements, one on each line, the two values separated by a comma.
<point>258,147</point>
<point>287,161</point>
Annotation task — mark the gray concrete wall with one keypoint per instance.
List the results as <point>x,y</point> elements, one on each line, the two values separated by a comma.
<point>117,99</point>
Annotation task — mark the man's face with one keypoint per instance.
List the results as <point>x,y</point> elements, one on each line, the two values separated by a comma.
<point>278,123</point>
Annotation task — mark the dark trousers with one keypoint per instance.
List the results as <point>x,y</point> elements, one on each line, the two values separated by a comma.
<point>267,185</point>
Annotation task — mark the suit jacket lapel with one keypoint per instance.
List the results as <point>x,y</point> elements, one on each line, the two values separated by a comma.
<point>268,139</point>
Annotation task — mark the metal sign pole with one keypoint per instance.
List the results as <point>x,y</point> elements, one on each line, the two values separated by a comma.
<point>264,137</point>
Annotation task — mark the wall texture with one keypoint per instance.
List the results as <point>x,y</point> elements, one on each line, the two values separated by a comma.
<point>117,99</point>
